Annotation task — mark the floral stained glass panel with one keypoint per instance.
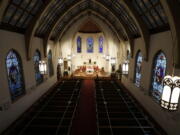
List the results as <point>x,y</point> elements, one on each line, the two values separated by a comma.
<point>159,71</point>
<point>15,75</point>
<point>90,43</point>
<point>138,75</point>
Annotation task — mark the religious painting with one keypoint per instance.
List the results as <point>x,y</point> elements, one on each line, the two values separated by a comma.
<point>101,44</point>
<point>38,75</point>
<point>159,70</point>
<point>138,68</point>
<point>50,64</point>
<point>15,75</point>
<point>79,45</point>
<point>90,44</point>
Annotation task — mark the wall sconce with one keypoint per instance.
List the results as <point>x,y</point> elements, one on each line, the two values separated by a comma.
<point>73,55</point>
<point>107,57</point>
<point>104,56</point>
<point>60,61</point>
<point>43,67</point>
<point>171,91</point>
<point>125,68</point>
<point>113,61</point>
<point>69,57</point>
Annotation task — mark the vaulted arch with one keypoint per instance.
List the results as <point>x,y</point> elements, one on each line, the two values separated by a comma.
<point>140,24</point>
<point>3,5</point>
<point>92,7</point>
<point>172,11</point>
<point>29,34</point>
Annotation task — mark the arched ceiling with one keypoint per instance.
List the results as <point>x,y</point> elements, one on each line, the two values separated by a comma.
<point>47,18</point>
<point>89,26</point>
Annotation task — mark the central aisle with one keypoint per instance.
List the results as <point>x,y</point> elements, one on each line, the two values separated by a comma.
<point>85,119</point>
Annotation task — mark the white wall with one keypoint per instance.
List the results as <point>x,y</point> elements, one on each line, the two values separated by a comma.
<point>82,57</point>
<point>68,44</point>
<point>12,110</point>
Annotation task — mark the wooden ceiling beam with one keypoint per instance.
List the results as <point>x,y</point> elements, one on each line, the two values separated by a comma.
<point>140,24</point>
<point>122,24</point>
<point>172,10</point>
<point>48,35</point>
<point>54,25</point>
<point>3,6</point>
<point>95,13</point>
<point>29,34</point>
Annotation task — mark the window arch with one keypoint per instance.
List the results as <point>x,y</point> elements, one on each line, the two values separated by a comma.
<point>101,41</point>
<point>50,64</point>
<point>159,70</point>
<point>79,44</point>
<point>128,55</point>
<point>90,43</point>
<point>36,59</point>
<point>138,68</point>
<point>15,74</point>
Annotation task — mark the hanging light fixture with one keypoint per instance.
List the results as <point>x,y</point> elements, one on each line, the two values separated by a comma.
<point>43,67</point>
<point>171,88</point>
<point>171,91</point>
<point>125,68</point>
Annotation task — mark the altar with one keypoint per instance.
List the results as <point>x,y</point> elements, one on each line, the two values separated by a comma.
<point>89,69</point>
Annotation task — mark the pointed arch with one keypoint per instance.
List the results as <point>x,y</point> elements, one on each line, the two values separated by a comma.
<point>171,8</point>
<point>15,74</point>
<point>158,73</point>
<point>36,59</point>
<point>138,68</point>
<point>50,64</point>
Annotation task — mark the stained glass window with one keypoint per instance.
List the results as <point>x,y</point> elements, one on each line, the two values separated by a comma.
<point>15,75</point>
<point>101,44</point>
<point>128,55</point>
<point>36,59</point>
<point>159,70</point>
<point>79,43</point>
<point>50,64</point>
<point>90,43</point>
<point>138,68</point>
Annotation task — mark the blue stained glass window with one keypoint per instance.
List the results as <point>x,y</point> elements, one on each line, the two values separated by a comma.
<point>101,44</point>
<point>50,64</point>
<point>90,43</point>
<point>138,68</point>
<point>79,44</point>
<point>159,70</point>
<point>15,75</point>
<point>38,75</point>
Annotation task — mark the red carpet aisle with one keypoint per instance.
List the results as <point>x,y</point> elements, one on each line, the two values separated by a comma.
<point>85,119</point>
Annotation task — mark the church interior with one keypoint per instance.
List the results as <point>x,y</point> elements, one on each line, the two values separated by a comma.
<point>89,67</point>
